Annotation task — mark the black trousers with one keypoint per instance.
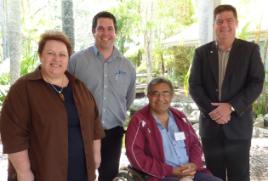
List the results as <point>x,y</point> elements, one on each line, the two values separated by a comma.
<point>227,158</point>
<point>110,153</point>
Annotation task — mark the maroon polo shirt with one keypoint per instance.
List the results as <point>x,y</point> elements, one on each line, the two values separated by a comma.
<point>34,118</point>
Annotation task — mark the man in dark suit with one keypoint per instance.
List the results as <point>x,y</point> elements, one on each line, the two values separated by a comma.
<point>226,77</point>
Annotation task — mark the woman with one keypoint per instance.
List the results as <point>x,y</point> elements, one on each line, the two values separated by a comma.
<point>50,124</point>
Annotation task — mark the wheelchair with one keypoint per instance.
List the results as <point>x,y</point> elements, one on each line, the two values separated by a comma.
<point>130,174</point>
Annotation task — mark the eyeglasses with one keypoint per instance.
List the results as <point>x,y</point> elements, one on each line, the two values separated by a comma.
<point>165,94</point>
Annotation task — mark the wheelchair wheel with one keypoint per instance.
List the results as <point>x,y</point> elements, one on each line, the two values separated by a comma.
<point>122,176</point>
<point>127,175</point>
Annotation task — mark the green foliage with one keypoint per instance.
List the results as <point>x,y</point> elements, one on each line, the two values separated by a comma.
<point>28,63</point>
<point>4,84</point>
<point>172,15</point>
<point>173,62</point>
<point>128,21</point>
<point>244,33</point>
<point>181,63</point>
<point>185,82</point>
<point>35,19</point>
<point>4,79</point>
<point>161,59</point>
<point>2,96</point>
<point>136,58</point>
<point>260,106</point>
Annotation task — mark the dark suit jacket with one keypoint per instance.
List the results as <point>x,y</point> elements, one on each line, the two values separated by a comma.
<point>242,84</point>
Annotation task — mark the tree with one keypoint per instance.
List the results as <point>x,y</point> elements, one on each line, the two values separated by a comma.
<point>3,24</point>
<point>205,14</point>
<point>14,38</point>
<point>128,24</point>
<point>171,17</point>
<point>142,27</point>
<point>68,20</point>
<point>147,24</point>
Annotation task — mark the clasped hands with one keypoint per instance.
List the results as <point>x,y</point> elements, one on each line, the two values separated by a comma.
<point>222,113</point>
<point>188,169</point>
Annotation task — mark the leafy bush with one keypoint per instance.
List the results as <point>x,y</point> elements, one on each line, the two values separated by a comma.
<point>4,79</point>
<point>4,84</point>
<point>260,106</point>
<point>3,93</point>
<point>28,63</point>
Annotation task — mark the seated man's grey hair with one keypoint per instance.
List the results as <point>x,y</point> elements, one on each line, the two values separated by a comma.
<point>159,80</point>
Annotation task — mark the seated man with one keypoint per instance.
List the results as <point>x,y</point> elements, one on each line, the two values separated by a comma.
<point>161,142</point>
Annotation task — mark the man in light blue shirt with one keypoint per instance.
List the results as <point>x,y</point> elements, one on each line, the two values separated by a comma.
<point>111,78</point>
<point>174,149</point>
<point>161,143</point>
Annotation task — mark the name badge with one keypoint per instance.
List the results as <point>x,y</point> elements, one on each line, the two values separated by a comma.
<point>179,136</point>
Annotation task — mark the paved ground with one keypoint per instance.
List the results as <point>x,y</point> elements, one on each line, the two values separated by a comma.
<point>259,161</point>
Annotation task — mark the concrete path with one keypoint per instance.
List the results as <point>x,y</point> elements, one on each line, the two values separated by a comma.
<point>259,160</point>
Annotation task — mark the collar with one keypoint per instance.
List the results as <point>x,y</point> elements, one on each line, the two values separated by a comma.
<point>114,55</point>
<point>158,122</point>
<point>227,50</point>
<point>36,75</point>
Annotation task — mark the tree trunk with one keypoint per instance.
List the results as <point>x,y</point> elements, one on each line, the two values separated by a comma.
<point>1,27</point>
<point>68,20</point>
<point>163,64</point>
<point>14,37</point>
<point>147,8</point>
<point>205,14</point>
<point>3,22</point>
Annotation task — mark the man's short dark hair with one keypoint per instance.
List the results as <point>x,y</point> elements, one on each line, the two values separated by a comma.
<point>103,14</point>
<point>224,7</point>
<point>159,80</point>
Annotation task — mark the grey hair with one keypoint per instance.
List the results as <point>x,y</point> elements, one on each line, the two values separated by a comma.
<point>159,80</point>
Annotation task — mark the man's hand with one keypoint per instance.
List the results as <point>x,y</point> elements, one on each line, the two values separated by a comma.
<point>222,113</point>
<point>188,169</point>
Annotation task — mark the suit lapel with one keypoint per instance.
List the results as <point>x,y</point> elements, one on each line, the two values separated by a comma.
<point>213,60</point>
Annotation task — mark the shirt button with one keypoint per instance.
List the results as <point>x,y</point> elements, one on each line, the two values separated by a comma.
<point>104,98</point>
<point>105,86</point>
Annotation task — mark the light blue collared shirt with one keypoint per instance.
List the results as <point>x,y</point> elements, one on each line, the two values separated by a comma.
<point>174,150</point>
<point>112,82</point>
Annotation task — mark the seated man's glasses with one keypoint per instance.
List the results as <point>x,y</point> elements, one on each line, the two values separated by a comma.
<point>158,94</point>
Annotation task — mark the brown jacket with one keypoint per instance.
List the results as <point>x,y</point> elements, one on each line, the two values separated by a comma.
<point>34,118</point>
